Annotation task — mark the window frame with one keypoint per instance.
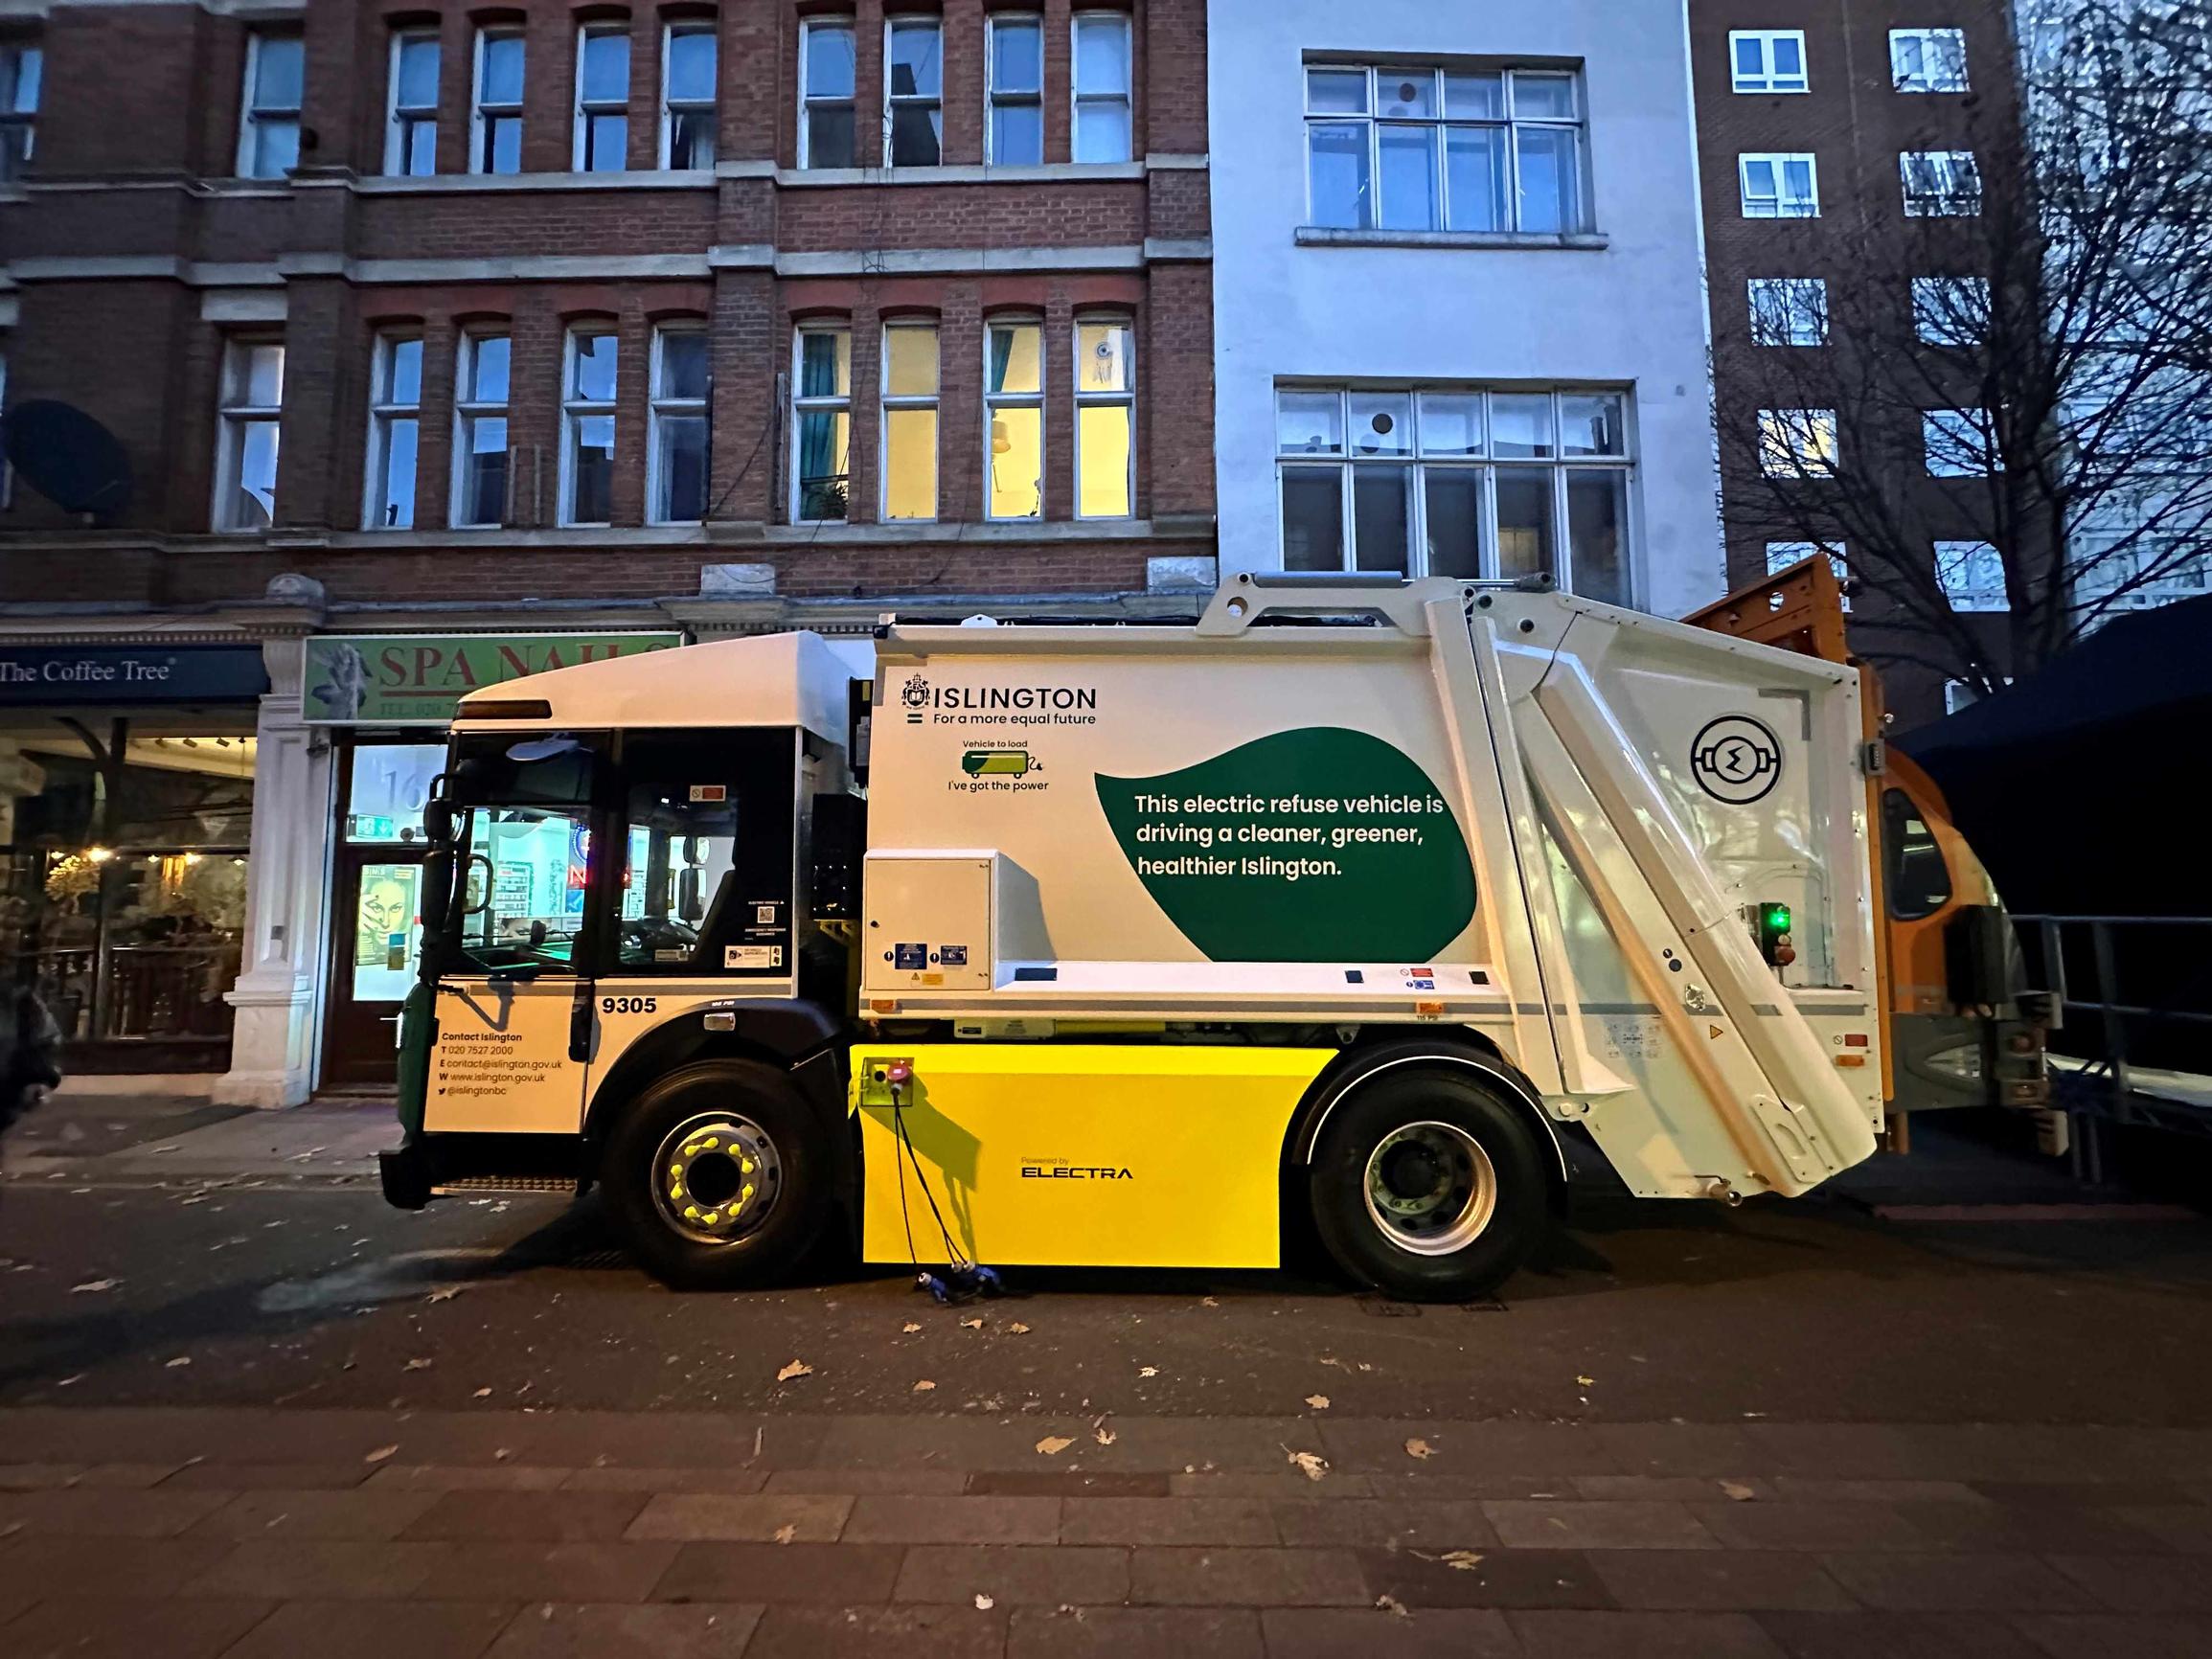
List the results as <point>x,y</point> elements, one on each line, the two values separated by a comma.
<point>1077,97</point>
<point>1509,121</point>
<point>401,120</point>
<point>17,117</point>
<point>1779,160</point>
<point>1957,427</point>
<point>254,117</point>
<point>1777,424</point>
<point>1125,398</point>
<point>384,410</point>
<point>846,24</point>
<point>1953,559</point>
<point>233,418</point>
<point>662,405</point>
<point>889,402</point>
<point>1765,82</point>
<point>1925,38</point>
<point>1488,466</point>
<point>894,102</point>
<point>994,95</point>
<point>671,107</point>
<point>993,401</point>
<point>584,113</point>
<point>484,118</point>
<point>1790,313</point>
<point>575,408</point>
<point>468,409</point>
<point>1960,196</point>
<point>1924,312</point>
<point>819,403</point>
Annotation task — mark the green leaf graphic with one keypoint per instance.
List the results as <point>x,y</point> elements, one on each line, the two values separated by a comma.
<point>1318,845</point>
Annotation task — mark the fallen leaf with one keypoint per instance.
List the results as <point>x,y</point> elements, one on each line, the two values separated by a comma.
<point>1392,1606</point>
<point>1332,1359</point>
<point>1019,1328</point>
<point>924,1386</point>
<point>1148,1371</point>
<point>1364,1366</point>
<point>180,1359</point>
<point>1052,1444</point>
<point>910,1327</point>
<point>1313,1464</point>
<point>1418,1449</point>
<point>483,1393</point>
<point>786,1532</point>
<point>92,1287</point>
<point>69,1382</point>
<point>1318,1402</point>
<point>416,1365</point>
<point>1738,1491</point>
<point>975,1324</point>
<point>1462,1560</point>
<point>1587,1381</point>
<point>984,1604</point>
<point>380,1454</point>
<point>1211,1300</point>
<point>1104,1435</point>
<point>797,1368</point>
<point>444,1293</point>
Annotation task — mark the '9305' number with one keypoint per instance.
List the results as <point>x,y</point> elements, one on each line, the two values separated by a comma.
<point>628,1004</point>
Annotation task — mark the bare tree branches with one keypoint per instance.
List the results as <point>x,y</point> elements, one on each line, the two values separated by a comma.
<point>2002,402</point>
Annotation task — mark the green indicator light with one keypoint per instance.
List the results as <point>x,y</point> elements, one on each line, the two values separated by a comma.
<point>1778,918</point>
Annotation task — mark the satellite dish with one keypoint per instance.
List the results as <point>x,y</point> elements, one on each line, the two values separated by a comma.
<point>67,456</point>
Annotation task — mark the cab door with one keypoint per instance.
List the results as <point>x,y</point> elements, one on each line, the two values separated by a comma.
<point>515,1005</point>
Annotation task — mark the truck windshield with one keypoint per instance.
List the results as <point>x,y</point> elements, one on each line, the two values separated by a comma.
<point>525,835</point>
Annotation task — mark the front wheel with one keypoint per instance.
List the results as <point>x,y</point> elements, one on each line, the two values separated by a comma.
<point>1427,1186</point>
<point>719,1176</point>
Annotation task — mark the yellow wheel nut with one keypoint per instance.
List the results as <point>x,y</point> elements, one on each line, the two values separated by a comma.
<point>710,1218</point>
<point>691,1212</point>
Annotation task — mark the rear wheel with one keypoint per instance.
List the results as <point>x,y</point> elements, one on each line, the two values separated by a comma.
<point>1429,1186</point>
<point>719,1176</point>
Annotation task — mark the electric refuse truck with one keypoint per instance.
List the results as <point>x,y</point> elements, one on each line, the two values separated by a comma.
<point>1361,901</point>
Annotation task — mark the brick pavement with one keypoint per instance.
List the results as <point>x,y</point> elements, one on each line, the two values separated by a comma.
<point>249,1534</point>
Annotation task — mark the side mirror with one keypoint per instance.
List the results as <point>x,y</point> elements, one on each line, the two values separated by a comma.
<point>691,902</point>
<point>437,820</point>
<point>437,896</point>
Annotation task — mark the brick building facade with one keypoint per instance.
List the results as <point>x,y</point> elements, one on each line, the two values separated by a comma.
<point>1813,118</point>
<point>546,319</point>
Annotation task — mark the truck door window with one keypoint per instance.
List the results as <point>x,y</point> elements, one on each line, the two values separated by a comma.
<point>1918,879</point>
<point>707,874</point>
<point>527,842</point>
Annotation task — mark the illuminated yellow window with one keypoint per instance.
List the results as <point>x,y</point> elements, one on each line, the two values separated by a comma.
<point>910,421</point>
<point>1104,419</point>
<point>1014,407</point>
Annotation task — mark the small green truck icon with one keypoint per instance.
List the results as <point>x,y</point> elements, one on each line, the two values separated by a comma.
<point>997,763</point>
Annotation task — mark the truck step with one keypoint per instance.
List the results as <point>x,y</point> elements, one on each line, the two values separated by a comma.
<point>460,1184</point>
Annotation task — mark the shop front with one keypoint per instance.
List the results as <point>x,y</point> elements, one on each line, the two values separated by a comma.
<point>127,797</point>
<point>385,701</point>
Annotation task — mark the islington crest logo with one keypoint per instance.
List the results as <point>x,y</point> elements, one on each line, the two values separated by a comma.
<point>915,693</point>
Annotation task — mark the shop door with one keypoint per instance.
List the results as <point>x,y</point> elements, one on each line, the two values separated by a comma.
<point>378,936</point>
<point>374,906</point>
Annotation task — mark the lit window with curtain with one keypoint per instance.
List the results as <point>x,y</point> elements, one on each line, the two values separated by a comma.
<point>1016,130</point>
<point>480,471</point>
<point>1014,410</point>
<point>395,416</point>
<point>411,127</point>
<point>1105,418</point>
<point>913,91</point>
<point>252,404</point>
<point>822,421</point>
<point>677,443</point>
<point>1104,127</point>
<point>687,135</point>
<point>587,428</point>
<point>909,420</point>
<point>602,99</point>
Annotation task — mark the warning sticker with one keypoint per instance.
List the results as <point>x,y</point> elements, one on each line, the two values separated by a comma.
<point>953,955</point>
<point>710,793</point>
<point>752,956</point>
<point>909,958</point>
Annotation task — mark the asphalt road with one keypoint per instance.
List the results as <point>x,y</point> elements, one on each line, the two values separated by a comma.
<point>316,1294</point>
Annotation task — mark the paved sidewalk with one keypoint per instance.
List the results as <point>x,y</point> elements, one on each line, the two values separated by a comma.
<point>143,1139</point>
<point>265,1534</point>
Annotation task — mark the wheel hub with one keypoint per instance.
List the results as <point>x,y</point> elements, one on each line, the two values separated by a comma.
<point>1431,1188</point>
<point>716,1177</point>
